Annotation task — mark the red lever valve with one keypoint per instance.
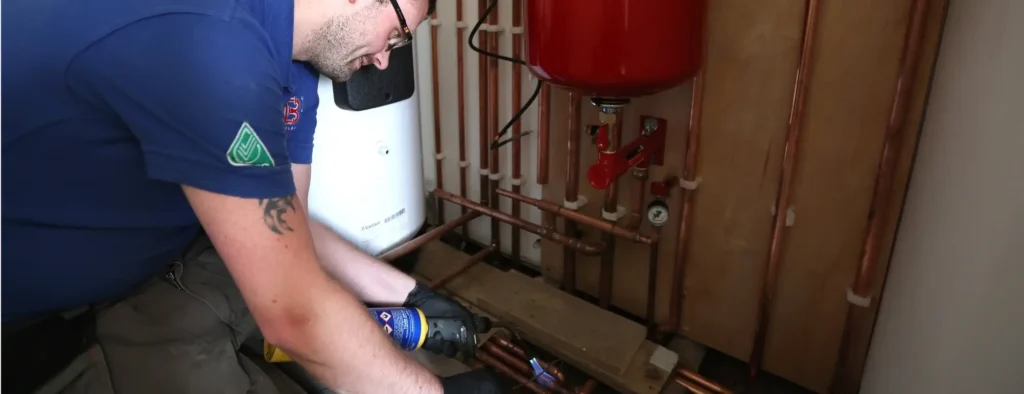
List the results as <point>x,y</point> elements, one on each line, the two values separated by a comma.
<point>647,149</point>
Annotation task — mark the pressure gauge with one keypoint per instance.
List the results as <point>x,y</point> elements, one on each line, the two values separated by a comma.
<point>657,213</point>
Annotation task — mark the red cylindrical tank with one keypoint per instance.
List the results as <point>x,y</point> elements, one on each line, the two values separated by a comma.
<point>615,48</point>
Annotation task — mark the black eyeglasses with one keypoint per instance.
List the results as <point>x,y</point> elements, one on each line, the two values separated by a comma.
<point>404,34</point>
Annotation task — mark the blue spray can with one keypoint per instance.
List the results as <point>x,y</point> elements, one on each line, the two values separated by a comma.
<point>406,326</point>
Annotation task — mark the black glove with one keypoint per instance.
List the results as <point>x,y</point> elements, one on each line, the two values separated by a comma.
<point>435,305</point>
<point>477,381</point>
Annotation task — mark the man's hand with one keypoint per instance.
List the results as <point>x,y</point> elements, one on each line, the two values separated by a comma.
<point>434,304</point>
<point>477,381</point>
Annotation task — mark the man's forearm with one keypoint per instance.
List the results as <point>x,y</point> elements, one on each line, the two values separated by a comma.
<point>325,328</point>
<point>371,280</point>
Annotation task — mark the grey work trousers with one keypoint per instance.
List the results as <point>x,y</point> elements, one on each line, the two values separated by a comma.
<point>176,337</point>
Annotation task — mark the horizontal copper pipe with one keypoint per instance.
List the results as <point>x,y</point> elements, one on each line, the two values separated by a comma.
<point>548,233</point>
<point>470,262</point>
<point>509,359</point>
<point>703,381</point>
<point>519,378</point>
<point>691,386</point>
<point>431,235</point>
<point>519,352</point>
<point>608,227</point>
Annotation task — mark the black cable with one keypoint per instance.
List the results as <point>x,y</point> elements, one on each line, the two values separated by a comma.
<point>497,143</point>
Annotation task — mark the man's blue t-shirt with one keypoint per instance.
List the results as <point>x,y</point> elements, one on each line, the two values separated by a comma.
<point>109,106</point>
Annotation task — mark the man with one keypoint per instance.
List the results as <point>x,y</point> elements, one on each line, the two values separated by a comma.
<point>126,125</point>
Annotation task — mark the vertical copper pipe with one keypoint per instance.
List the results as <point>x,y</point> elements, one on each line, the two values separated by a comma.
<point>492,121</point>
<point>789,161</point>
<point>572,187</point>
<point>517,128</point>
<point>652,287</point>
<point>484,135</point>
<point>640,198</point>
<point>686,211</point>
<point>847,370</point>
<point>438,149</point>
<point>543,133</point>
<point>611,205</point>
<point>460,58</point>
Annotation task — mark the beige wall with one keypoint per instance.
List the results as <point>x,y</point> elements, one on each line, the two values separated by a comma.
<point>952,314</point>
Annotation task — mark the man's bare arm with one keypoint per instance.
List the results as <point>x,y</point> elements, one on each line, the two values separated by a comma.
<point>266,246</point>
<point>370,279</point>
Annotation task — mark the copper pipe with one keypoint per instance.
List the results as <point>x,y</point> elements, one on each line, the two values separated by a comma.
<point>517,128</point>
<point>460,59</point>
<point>439,161</point>
<point>611,205</point>
<point>484,136</point>
<point>652,288</point>
<point>543,133</point>
<point>509,359</point>
<point>492,117</point>
<point>691,386</point>
<point>703,381</point>
<point>608,227</point>
<point>640,198</point>
<point>431,235</point>
<point>847,367</point>
<point>572,187</point>
<point>469,263</point>
<point>548,233</point>
<point>511,373</point>
<point>588,387</point>
<point>789,162</point>
<point>519,352</point>
<point>687,197</point>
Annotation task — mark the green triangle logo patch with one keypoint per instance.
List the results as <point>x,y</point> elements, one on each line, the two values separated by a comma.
<point>248,150</point>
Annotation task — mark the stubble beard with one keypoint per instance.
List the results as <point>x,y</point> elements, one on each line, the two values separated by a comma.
<point>334,47</point>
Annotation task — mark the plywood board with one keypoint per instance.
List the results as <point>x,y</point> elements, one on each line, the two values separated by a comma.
<point>488,289</point>
<point>753,49</point>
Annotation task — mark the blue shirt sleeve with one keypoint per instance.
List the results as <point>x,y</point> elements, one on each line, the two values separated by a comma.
<point>202,95</point>
<point>300,112</point>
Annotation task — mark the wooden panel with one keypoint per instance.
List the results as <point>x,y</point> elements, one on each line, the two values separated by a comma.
<point>491,291</point>
<point>752,54</point>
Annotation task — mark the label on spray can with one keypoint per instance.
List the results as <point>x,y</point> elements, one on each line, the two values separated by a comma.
<point>407,327</point>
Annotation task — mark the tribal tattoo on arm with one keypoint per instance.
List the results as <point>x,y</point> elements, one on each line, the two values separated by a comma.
<point>274,210</point>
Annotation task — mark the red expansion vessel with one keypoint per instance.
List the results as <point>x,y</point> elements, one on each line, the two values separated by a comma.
<point>615,48</point>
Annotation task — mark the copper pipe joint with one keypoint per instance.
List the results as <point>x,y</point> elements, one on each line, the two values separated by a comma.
<point>519,352</point>
<point>548,233</point>
<point>608,227</point>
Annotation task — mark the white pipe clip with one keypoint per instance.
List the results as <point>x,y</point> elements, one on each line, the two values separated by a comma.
<point>435,22</point>
<point>689,185</point>
<point>790,215</point>
<point>496,176</point>
<point>463,164</point>
<point>485,172</point>
<point>495,28</point>
<point>857,300</point>
<point>516,30</point>
<point>620,211</point>
<point>439,156</point>
<point>517,181</point>
<point>581,200</point>
<point>461,25</point>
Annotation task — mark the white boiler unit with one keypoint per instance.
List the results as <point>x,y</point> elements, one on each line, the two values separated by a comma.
<point>367,174</point>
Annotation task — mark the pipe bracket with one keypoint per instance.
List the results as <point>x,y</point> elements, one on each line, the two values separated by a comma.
<point>857,300</point>
<point>581,201</point>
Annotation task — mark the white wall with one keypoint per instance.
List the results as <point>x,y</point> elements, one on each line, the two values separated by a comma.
<point>448,81</point>
<point>952,313</point>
